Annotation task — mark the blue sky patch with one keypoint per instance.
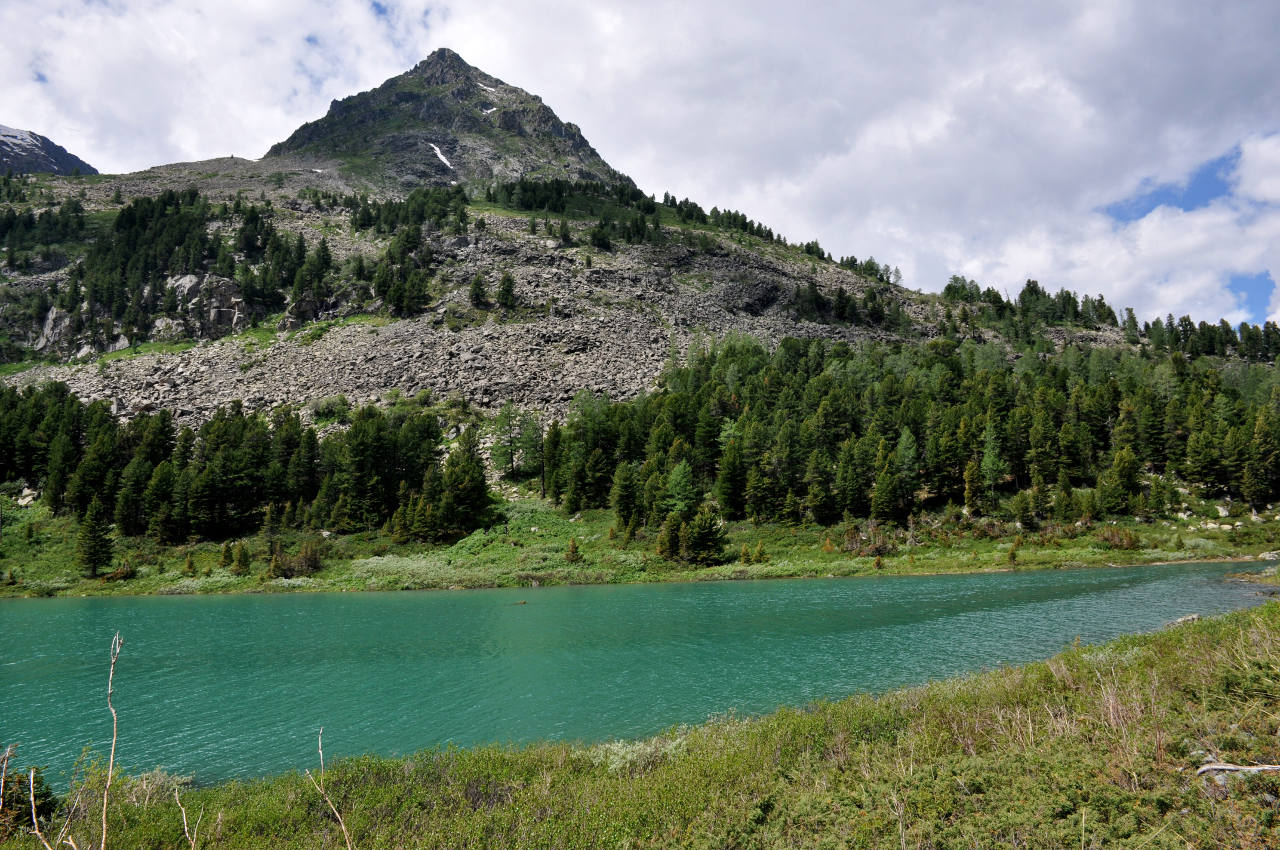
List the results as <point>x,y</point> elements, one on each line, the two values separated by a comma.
<point>380,10</point>
<point>1207,183</point>
<point>39,77</point>
<point>1255,291</point>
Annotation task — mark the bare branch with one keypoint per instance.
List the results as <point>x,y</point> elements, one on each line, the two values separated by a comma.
<point>4,771</point>
<point>62,838</point>
<point>35,822</point>
<point>116,644</point>
<point>320,787</point>
<point>192,835</point>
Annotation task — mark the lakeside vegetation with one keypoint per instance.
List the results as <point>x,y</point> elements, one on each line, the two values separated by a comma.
<point>1098,746</point>
<point>811,459</point>
<point>530,547</point>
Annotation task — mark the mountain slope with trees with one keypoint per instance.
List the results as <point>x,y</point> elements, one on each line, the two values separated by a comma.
<point>682,367</point>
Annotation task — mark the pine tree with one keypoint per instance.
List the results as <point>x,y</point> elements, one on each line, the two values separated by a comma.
<point>819,500</point>
<point>992,467</point>
<point>624,497</point>
<point>507,292</point>
<point>241,566</point>
<point>668,545</point>
<point>478,294</point>
<point>702,539</point>
<point>682,498</point>
<point>731,484</point>
<point>129,515</point>
<point>884,497</point>
<point>972,485</point>
<point>94,547</point>
<point>464,502</point>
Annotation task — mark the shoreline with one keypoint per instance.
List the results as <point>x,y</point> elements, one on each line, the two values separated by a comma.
<point>530,549</point>
<point>675,578</point>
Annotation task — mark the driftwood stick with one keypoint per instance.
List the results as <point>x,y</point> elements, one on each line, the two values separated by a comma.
<point>1220,767</point>
<point>193,835</point>
<point>116,643</point>
<point>320,787</point>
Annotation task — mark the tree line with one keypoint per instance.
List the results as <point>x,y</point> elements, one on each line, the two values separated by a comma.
<point>814,432</point>
<point>239,473</point>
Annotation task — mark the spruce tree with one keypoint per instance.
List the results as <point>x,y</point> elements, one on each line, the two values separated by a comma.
<point>731,485</point>
<point>668,545</point>
<point>241,565</point>
<point>478,294</point>
<point>624,496</point>
<point>507,292</point>
<point>464,502</point>
<point>94,547</point>
<point>702,539</point>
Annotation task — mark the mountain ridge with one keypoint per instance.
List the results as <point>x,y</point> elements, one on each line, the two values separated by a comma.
<point>27,152</point>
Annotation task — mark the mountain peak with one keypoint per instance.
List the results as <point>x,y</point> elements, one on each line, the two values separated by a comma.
<point>447,122</point>
<point>25,152</point>
<point>441,66</point>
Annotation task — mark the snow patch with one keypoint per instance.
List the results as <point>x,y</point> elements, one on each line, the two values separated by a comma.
<point>442,159</point>
<point>18,139</point>
<point>486,88</point>
<point>318,170</point>
<point>491,109</point>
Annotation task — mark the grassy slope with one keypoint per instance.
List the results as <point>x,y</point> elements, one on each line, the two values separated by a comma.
<point>1095,747</point>
<point>530,547</point>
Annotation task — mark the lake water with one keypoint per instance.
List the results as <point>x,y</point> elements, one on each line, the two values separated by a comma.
<point>237,686</point>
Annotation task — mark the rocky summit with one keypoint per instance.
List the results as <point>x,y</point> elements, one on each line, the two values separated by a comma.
<point>25,152</point>
<point>445,122</point>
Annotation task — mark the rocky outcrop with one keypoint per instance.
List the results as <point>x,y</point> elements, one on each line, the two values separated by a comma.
<point>209,307</point>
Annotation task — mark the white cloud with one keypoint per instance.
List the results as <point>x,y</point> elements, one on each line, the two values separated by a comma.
<point>1259,170</point>
<point>938,137</point>
<point>141,83</point>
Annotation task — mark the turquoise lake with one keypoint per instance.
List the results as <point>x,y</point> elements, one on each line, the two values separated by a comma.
<point>237,686</point>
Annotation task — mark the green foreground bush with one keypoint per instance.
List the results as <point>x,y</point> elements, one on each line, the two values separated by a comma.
<point>1095,747</point>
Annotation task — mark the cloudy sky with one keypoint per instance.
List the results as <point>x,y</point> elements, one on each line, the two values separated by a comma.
<point>1124,148</point>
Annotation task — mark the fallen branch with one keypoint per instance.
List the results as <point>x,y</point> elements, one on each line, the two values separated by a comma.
<point>320,787</point>
<point>192,835</point>
<point>1219,767</point>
